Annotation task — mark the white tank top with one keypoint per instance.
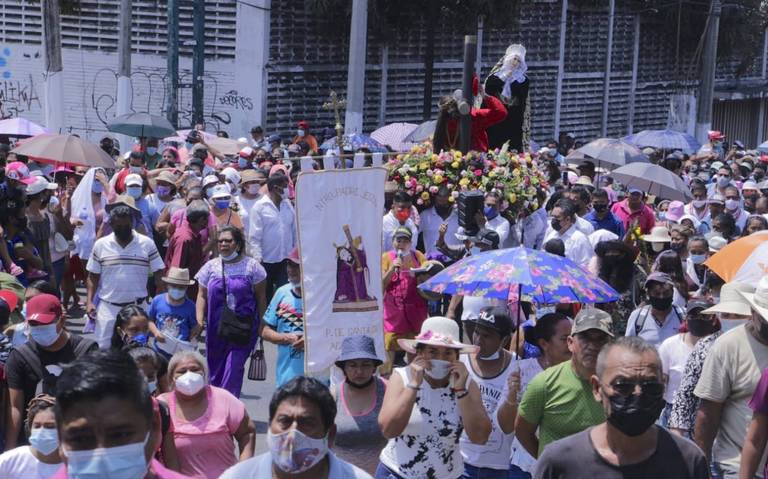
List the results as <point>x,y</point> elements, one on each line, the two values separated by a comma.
<point>429,445</point>
<point>495,453</point>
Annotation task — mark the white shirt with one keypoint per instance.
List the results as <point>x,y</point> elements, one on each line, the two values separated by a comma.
<point>534,226</point>
<point>20,462</point>
<point>246,205</point>
<point>430,226</point>
<point>261,466</point>
<point>500,225</point>
<point>584,226</point>
<point>124,271</point>
<point>650,330</point>
<point>674,352</point>
<point>529,369</point>
<point>389,225</point>
<point>272,232</point>
<point>577,246</point>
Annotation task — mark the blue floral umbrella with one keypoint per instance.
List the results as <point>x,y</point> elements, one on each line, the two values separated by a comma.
<point>536,276</point>
<point>354,142</point>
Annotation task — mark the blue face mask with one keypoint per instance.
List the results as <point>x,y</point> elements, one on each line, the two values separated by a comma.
<point>222,204</point>
<point>44,335</point>
<point>134,191</point>
<point>490,212</point>
<point>120,462</point>
<point>242,163</point>
<point>44,440</point>
<point>698,258</point>
<point>141,339</point>
<point>151,150</point>
<point>97,187</point>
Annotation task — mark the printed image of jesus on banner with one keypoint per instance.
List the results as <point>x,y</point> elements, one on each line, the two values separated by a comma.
<point>339,228</point>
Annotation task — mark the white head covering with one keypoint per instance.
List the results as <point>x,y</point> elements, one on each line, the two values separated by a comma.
<point>82,209</point>
<point>510,74</point>
<point>598,236</point>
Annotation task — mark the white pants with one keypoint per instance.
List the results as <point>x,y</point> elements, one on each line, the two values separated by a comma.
<point>106,315</point>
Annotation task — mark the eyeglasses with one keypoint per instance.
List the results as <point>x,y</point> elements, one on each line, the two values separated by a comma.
<point>627,388</point>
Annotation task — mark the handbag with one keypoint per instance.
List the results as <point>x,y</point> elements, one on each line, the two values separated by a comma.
<point>257,367</point>
<point>233,327</point>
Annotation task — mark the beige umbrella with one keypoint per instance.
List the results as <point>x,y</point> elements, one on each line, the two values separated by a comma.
<point>70,149</point>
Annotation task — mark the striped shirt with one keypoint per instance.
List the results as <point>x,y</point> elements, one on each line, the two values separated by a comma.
<point>124,271</point>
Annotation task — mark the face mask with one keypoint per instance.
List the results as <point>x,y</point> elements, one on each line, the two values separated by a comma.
<point>123,233</point>
<point>242,163</point>
<point>475,251</point>
<point>120,462</point>
<point>697,258</point>
<point>599,207</point>
<point>44,335</point>
<point>221,204</point>
<point>294,452</point>
<point>152,386</point>
<point>230,256</point>
<point>163,190</point>
<point>698,204</point>
<point>135,169</point>
<point>151,150</point>
<point>661,304</point>
<point>677,246</point>
<point>140,339</point>
<point>134,191</point>
<point>731,204</point>
<point>700,327</point>
<point>440,369</point>
<point>97,187</point>
<point>253,189</point>
<point>662,215</point>
<point>490,212</point>
<point>53,203</point>
<point>44,440</point>
<point>177,294</point>
<point>402,215</point>
<point>723,181</point>
<point>190,383</point>
<point>188,146</point>
<point>633,415</point>
<point>284,193</point>
<point>300,132</point>
<point>556,225</point>
<point>658,247</point>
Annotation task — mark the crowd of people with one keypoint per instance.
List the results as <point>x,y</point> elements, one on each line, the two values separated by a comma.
<point>189,263</point>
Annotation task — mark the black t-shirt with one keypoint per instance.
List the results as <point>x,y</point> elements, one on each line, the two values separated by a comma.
<point>25,376</point>
<point>575,457</point>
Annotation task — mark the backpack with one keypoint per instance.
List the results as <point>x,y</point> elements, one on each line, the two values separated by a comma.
<point>47,381</point>
<point>640,321</point>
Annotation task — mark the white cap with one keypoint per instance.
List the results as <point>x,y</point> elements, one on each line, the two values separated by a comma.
<point>231,175</point>
<point>40,184</point>
<point>210,180</point>
<point>220,191</point>
<point>133,180</point>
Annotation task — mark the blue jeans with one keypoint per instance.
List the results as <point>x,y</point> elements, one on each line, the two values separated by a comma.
<point>516,473</point>
<point>473,472</point>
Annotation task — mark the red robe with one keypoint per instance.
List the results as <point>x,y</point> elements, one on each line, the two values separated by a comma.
<point>492,111</point>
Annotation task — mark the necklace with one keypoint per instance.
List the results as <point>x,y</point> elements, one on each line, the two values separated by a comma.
<point>452,141</point>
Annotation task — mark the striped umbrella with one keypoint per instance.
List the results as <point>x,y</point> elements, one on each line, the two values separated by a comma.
<point>393,135</point>
<point>745,260</point>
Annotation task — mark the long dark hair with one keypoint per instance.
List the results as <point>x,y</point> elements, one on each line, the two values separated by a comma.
<point>449,109</point>
<point>619,272</point>
<point>123,316</point>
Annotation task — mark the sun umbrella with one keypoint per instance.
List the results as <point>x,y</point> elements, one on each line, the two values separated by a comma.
<point>423,132</point>
<point>70,149</point>
<point>141,124</point>
<point>354,142</point>
<point>654,180</point>
<point>745,260</point>
<point>537,276</point>
<point>20,128</point>
<point>665,140</point>
<point>393,135</point>
<point>608,153</point>
<point>763,148</point>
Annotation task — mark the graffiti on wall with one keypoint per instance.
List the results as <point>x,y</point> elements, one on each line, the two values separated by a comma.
<point>18,94</point>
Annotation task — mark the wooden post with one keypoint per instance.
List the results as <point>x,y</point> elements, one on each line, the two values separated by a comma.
<point>465,126</point>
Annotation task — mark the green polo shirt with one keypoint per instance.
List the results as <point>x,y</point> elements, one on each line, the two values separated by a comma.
<point>561,403</point>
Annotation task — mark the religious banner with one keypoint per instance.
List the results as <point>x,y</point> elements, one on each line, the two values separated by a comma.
<point>339,227</point>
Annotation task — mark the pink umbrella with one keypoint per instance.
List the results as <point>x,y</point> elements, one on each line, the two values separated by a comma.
<point>20,128</point>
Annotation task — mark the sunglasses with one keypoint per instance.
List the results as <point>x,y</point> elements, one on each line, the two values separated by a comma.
<point>627,388</point>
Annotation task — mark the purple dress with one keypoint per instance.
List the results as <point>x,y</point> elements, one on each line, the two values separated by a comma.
<point>226,361</point>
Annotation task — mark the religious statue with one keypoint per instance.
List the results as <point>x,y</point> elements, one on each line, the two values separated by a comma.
<point>509,83</point>
<point>352,277</point>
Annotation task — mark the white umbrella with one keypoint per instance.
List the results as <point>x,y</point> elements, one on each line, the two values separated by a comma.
<point>393,135</point>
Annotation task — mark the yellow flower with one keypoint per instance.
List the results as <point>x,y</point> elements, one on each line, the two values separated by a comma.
<point>434,157</point>
<point>406,177</point>
<point>491,174</point>
<point>512,197</point>
<point>424,166</point>
<point>457,155</point>
<point>455,165</point>
<point>437,179</point>
<point>450,199</point>
<point>516,172</point>
<point>464,181</point>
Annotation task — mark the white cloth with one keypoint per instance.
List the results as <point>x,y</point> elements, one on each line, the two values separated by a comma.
<point>261,466</point>
<point>674,354</point>
<point>124,271</point>
<point>577,246</point>
<point>494,454</point>
<point>272,232</point>
<point>390,224</point>
<point>106,315</point>
<point>584,226</point>
<point>82,209</point>
<point>529,368</point>
<point>500,225</point>
<point>650,330</point>
<point>430,225</point>
<point>246,205</point>
<point>20,463</point>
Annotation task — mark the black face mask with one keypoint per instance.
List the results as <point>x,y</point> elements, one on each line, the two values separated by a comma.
<point>443,210</point>
<point>599,208</point>
<point>661,304</point>
<point>556,225</point>
<point>677,246</point>
<point>761,330</point>
<point>700,327</point>
<point>21,223</point>
<point>123,233</point>
<point>633,415</point>
<point>360,386</point>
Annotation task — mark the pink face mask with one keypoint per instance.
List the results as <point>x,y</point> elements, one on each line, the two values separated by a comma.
<point>402,215</point>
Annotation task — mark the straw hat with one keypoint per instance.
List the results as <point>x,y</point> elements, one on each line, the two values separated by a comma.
<point>179,277</point>
<point>659,234</point>
<point>731,300</point>
<point>438,331</point>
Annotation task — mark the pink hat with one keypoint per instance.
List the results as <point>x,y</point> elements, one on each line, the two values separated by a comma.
<point>18,171</point>
<point>293,256</point>
<point>675,211</point>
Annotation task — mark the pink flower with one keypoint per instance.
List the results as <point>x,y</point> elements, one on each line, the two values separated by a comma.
<point>433,189</point>
<point>419,188</point>
<point>478,172</point>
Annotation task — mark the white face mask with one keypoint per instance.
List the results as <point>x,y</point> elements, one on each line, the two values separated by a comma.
<point>189,383</point>
<point>440,369</point>
<point>230,256</point>
<point>300,132</point>
<point>253,189</point>
<point>294,452</point>
<point>44,335</point>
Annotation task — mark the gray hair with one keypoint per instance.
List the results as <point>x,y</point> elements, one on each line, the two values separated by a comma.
<point>633,344</point>
<point>197,209</point>
<point>180,356</point>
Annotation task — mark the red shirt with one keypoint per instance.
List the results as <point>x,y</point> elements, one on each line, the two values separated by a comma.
<point>644,216</point>
<point>482,119</point>
<point>185,250</point>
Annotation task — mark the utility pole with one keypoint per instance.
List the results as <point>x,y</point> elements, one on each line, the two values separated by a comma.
<point>560,66</point>
<point>607,80</point>
<point>429,57</point>
<point>172,58</point>
<point>54,81</point>
<point>353,121</point>
<point>124,86</point>
<point>198,61</point>
<point>465,122</point>
<point>708,64</point>
<point>633,82</point>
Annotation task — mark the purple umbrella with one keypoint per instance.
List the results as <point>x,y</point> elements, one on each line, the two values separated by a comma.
<point>20,128</point>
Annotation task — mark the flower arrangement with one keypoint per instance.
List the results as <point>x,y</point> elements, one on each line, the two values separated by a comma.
<point>421,173</point>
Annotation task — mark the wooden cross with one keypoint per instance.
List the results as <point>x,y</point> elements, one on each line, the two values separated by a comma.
<point>336,105</point>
